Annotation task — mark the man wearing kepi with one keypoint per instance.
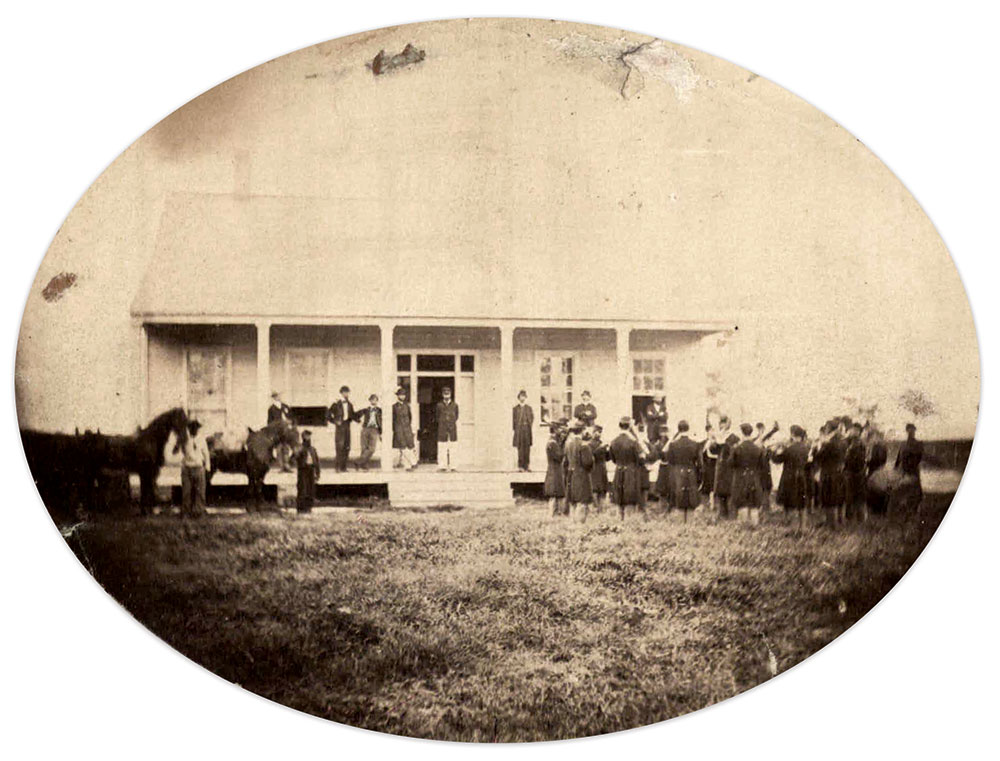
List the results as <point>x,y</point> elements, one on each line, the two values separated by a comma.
<point>447,422</point>
<point>371,431</point>
<point>524,421</point>
<point>684,461</point>
<point>402,431</point>
<point>580,459</point>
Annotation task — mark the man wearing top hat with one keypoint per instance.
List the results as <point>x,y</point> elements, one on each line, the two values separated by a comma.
<point>585,412</point>
<point>402,430</point>
<point>342,414</point>
<point>523,422</point>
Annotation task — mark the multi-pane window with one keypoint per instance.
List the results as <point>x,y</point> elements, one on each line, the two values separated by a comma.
<point>556,383</point>
<point>648,376</point>
<point>307,377</point>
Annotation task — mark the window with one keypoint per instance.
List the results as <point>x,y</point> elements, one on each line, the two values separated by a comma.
<point>403,363</point>
<point>208,386</point>
<point>307,377</point>
<point>648,376</point>
<point>556,383</point>
<point>468,363</point>
<point>436,363</point>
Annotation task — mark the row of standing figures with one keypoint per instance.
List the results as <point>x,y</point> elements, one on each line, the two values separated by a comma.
<point>843,474</point>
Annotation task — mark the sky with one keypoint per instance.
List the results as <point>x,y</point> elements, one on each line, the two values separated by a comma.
<point>579,167</point>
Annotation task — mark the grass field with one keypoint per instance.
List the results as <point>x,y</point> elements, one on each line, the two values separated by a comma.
<point>495,625</point>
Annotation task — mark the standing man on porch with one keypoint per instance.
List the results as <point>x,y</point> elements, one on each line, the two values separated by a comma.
<point>341,414</point>
<point>371,431</point>
<point>447,422</point>
<point>585,412</point>
<point>402,430</point>
<point>524,421</point>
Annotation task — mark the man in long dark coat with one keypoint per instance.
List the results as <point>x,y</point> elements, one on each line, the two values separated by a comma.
<point>793,486</point>
<point>580,460</point>
<point>855,475</point>
<point>828,454</point>
<point>402,431</point>
<point>683,461</point>
<point>745,461</point>
<point>726,442</point>
<point>626,454</point>
<point>555,481</point>
<point>599,474</point>
<point>523,423</point>
<point>911,452</point>
<point>447,432</point>
<point>342,414</point>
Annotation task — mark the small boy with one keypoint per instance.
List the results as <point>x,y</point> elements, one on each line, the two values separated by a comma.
<point>307,462</point>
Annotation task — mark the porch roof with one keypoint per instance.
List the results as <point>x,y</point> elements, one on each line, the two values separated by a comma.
<point>312,259</point>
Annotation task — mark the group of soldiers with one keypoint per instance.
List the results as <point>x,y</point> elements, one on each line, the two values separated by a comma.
<point>727,471</point>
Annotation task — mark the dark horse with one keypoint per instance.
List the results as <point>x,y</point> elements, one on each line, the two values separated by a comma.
<point>254,457</point>
<point>68,468</point>
<point>143,452</point>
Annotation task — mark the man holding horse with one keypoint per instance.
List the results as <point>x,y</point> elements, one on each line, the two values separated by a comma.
<point>195,463</point>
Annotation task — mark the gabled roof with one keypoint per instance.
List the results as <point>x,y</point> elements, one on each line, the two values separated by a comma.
<point>227,255</point>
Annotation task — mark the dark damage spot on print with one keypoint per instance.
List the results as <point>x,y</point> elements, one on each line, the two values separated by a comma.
<point>383,63</point>
<point>58,286</point>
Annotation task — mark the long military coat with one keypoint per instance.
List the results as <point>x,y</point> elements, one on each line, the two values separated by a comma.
<point>555,483</point>
<point>793,486</point>
<point>523,421</point>
<point>581,461</point>
<point>683,460</point>
<point>625,454</point>
<point>402,426</point>
<point>745,462</point>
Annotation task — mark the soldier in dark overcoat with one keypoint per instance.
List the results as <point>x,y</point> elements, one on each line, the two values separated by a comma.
<point>745,462</point>
<point>580,460</point>
<point>726,442</point>
<point>793,486</point>
<point>709,457</point>
<point>663,487</point>
<point>828,456</point>
<point>523,424</point>
<point>599,474</point>
<point>402,430</point>
<point>683,462</point>
<point>625,452</point>
<point>855,475</point>
<point>447,431</point>
<point>555,484</point>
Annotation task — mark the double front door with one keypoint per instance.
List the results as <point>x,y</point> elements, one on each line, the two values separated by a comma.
<point>425,375</point>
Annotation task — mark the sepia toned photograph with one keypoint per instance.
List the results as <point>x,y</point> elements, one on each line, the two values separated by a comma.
<point>497,380</point>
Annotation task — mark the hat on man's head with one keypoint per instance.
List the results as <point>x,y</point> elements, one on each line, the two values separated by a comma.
<point>373,397</point>
<point>400,391</point>
<point>625,420</point>
<point>307,434</point>
<point>275,394</point>
<point>746,429</point>
<point>798,431</point>
<point>345,388</point>
<point>910,427</point>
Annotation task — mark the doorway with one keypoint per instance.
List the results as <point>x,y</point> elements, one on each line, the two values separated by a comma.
<point>429,388</point>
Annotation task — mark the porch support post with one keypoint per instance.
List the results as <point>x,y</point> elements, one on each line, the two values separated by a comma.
<point>506,374</point>
<point>263,370</point>
<point>388,395</point>
<point>142,400</point>
<point>624,369</point>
